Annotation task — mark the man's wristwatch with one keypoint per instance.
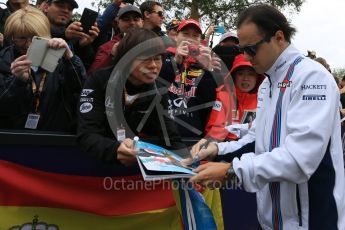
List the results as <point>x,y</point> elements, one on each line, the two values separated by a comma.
<point>230,174</point>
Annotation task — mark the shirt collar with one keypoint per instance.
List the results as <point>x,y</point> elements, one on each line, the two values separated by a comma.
<point>283,62</point>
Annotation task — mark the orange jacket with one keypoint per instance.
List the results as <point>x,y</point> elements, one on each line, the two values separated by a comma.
<point>231,105</point>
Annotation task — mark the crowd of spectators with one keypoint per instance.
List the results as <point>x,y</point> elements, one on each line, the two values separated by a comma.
<point>127,77</point>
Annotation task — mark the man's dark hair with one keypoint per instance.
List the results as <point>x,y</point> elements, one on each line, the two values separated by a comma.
<point>39,2</point>
<point>148,6</point>
<point>343,79</point>
<point>146,42</point>
<point>268,20</point>
<point>227,54</point>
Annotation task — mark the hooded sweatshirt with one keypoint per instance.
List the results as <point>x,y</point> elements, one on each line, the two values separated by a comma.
<point>230,108</point>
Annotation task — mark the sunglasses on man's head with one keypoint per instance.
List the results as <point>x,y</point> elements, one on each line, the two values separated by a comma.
<point>160,13</point>
<point>251,50</point>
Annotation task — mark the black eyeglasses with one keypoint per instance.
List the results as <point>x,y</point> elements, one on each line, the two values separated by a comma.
<point>147,60</point>
<point>21,40</point>
<point>160,13</point>
<point>251,50</point>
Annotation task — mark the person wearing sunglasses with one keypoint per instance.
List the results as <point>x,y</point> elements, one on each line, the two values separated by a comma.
<point>153,16</point>
<point>292,156</point>
<point>138,61</point>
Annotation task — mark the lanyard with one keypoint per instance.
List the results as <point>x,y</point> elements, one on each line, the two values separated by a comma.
<point>35,91</point>
<point>183,75</point>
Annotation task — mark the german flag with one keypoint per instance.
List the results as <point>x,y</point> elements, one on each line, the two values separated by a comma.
<point>59,188</point>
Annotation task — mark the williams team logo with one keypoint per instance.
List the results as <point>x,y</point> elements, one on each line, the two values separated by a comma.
<point>284,84</point>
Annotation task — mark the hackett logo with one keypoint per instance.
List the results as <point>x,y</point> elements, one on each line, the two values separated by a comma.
<point>284,84</point>
<point>304,87</point>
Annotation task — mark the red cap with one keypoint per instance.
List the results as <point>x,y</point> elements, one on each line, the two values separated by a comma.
<point>240,60</point>
<point>188,22</point>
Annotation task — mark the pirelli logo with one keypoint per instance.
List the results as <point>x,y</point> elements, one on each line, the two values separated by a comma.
<point>314,97</point>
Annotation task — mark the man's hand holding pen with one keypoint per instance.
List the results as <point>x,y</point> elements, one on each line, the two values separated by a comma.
<point>204,149</point>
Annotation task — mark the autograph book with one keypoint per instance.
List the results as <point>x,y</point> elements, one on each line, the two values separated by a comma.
<point>157,163</point>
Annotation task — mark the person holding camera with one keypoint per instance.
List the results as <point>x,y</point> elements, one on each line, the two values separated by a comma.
<point>186,72</point>
<point>59,13</point>
<point>31,97</point>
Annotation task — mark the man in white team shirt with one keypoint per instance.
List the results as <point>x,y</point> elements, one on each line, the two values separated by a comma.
<point>296,163</point>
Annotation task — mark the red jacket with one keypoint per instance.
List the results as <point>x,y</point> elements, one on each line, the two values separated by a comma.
<point>230,107</point>
<point>103,56</point>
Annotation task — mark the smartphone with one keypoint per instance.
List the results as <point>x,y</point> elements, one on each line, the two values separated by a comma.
<point>219,29</point>
<point>129,1</point>
<point>42,56</point>
<point>88,19</point>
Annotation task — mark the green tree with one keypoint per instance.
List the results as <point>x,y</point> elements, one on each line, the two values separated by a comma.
<point>100,5</point>
<point>211,11</point>
<point>339,73</point>
<point>76,16</point>
<point>220,11</point>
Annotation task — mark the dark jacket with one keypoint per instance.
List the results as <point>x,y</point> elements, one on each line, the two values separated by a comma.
<point>103,56</point>
<point>86,53</point>
<point>104,23</point>
<point>168,42</point>
<point>58,99</point>
<point>94,133</point>
<point>4,14</point>
<point>192,93</point>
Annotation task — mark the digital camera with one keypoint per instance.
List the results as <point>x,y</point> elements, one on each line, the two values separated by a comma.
<point>193,50</point>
